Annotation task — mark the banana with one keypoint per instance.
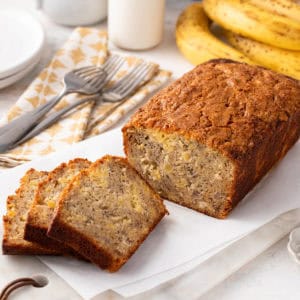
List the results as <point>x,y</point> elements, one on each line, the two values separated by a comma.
<point>251,21</point>
<point>195,40</point>
<point>287,8</point>
<point>277,59</point>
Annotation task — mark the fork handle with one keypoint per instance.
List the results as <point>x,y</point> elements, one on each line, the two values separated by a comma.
<point>52,119</point>
<point>16,129</point>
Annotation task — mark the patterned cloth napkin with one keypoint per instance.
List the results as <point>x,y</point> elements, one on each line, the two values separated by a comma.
<point>86,46</point>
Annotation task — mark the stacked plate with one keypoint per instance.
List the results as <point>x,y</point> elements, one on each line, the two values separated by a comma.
<point>21,44</point>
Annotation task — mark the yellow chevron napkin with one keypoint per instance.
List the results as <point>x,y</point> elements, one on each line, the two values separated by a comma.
<point>86,46</point>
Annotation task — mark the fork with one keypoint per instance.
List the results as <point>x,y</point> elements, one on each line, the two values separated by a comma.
<point>117,93</point>
<point>87,80</point>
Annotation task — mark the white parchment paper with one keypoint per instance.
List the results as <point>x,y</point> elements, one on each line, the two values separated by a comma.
<point>181,236</point>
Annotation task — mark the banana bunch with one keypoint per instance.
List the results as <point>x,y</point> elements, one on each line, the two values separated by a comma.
<point>197,43</point>
<point>287,8</point>
<point>252,21</point>
<point>265,33</point>
<point>277,59</point>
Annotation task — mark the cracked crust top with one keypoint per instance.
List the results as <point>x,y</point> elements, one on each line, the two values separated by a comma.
<point>223,104</point>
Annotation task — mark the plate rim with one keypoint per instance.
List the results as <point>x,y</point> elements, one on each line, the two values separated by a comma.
<point>9,80</point>
<point>19,67</point>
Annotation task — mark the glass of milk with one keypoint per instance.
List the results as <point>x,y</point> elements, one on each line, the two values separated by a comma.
<point>136,24</point>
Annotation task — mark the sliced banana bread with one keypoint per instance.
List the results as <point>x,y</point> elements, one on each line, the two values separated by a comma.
<point>106,213</point>
<point>209,137</point>
<point>14,221</point>
<point>46,197</point>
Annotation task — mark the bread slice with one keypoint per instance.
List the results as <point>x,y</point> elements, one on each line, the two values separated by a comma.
<point>42,209</point>
<point>14,221</point>
<point>209,137</point>
<point>107,212</point>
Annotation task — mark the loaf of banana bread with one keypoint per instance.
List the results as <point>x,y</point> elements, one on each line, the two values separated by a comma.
<point>14,221</point>
<point>209,137</point>
<point>106,213</point>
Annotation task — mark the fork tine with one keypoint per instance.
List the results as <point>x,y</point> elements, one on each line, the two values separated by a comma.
<point>92,70</point>
<point>130,78</point>
<point>115,68</point>
<point>111,60</point>
<point>92,73</point>
<point>84,69</point>
<point>110,71</point>
<point>87,69</point>
<point>124,79</point>
<point>140,77</point>
<point>98,81</point>
<point>110,67</point>
<point>131,85</point>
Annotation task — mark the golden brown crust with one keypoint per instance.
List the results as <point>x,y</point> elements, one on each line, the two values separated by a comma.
<point>249,114</point>
<point>226,106</point>
<point>38,218</point>
<point>82,244</point>
<point>89,248</point>
<point>39,235</point>
<point>15,248</point>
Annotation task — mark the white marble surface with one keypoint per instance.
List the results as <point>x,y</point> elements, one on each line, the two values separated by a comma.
<point>294,245</point>
<point>272,275</point>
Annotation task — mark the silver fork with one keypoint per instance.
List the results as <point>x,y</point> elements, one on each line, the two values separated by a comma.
<point>88,80</point>
<point>117,93</point>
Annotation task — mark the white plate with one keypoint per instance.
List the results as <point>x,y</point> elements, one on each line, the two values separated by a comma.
<point>4,82</point>
<point>21,39</point>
